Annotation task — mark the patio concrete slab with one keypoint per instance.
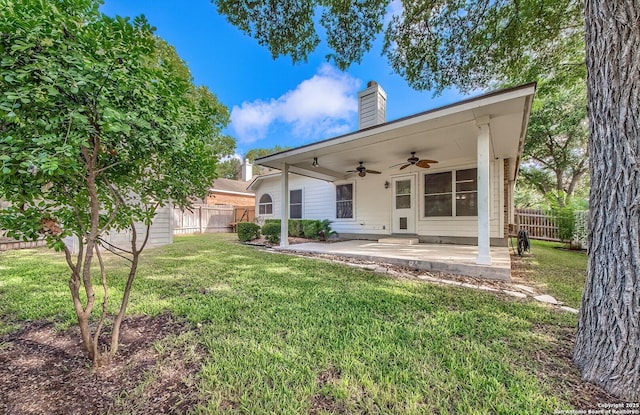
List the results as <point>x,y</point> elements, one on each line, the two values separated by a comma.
<point>453,259</point>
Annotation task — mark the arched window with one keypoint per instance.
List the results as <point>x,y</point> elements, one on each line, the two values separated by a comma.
<point>265,205</point>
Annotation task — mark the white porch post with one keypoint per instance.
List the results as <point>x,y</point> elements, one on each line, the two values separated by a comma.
<point>284,207</point>
<point>484,138</point>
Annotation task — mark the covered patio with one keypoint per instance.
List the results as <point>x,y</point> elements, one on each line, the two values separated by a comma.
<point>475,146</point>
<point>453,259</point>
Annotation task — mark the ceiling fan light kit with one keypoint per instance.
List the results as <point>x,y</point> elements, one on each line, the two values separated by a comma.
<point>415,161</point>
<point>362,170</point>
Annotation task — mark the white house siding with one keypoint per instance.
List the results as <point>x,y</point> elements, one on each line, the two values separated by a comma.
<point>372,205</point>
<point>314,196</point>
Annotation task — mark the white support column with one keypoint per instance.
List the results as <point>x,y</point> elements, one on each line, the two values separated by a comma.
<point>484,148</point>
<point>284,207</point>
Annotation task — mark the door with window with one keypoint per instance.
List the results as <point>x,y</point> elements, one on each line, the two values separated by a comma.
<point>403,205</point>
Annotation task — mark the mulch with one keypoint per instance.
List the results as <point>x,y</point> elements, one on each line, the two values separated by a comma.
<point>45,371</point>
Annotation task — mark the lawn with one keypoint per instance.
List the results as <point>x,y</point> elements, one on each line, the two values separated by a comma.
<point>283,334</point>
<point>556,271</point>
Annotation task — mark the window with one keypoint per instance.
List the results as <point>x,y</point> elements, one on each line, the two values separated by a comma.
<point>403,194</point>
<point>265,205</point>
<point>467,192</point>
<point>295,204</point>
<point>440,193</point>
<point>344,201</point>
<point>437,194</point>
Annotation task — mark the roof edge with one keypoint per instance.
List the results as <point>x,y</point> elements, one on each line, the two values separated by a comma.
<point>430,111</point>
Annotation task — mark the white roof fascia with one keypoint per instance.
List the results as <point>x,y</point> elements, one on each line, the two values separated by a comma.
<point>231,192</point>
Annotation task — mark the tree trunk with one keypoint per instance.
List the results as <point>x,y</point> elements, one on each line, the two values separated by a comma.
<point>607,349</point>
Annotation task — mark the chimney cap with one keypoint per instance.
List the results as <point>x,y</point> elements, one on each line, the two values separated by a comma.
<point>371,83</point>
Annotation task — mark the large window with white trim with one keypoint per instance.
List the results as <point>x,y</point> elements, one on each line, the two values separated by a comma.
<point>451,193</point>
<point>265,205</point>
<point>295,204</point>
<point>344,201</point>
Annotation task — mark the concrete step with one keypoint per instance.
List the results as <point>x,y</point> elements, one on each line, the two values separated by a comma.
<point>399,241</point>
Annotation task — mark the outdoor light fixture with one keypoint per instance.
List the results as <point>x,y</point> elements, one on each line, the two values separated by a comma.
<point>315,162</point>
<point>386,184</point>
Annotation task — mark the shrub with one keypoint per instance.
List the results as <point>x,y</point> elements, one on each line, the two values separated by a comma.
<point>566,222</point>
<point>271,230</point>
<point>310,228</point>
<point>324,230</point>
<point>295,228</point>
<point>247,231</point>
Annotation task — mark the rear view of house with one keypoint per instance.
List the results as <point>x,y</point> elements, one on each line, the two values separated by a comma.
<point>446,175</point>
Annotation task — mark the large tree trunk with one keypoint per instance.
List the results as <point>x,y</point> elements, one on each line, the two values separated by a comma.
<point>607,349</point>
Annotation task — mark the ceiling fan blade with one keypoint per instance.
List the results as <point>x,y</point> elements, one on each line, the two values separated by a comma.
<point>373,171</point>
<point>396,165</point>
<point>423,163</point>
<point>429,161</point>
<point>405,166</point>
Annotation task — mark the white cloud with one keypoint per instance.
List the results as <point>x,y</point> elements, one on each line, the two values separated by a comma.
<point>319,107</point>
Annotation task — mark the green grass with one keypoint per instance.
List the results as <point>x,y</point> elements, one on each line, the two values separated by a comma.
<point>558,272</point>
<point>283,332</point>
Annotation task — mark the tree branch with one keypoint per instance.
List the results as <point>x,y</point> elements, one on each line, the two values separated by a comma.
<point>101,170</point>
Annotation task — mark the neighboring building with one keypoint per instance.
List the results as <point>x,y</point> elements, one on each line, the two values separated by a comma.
<point>233,192</point>
<point>379,181</point>
<point>227,192</point>
<point>230,193</point>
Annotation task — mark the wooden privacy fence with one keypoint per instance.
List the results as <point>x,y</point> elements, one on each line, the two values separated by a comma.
<point>203,219</point>
<point>539,224</point>
<point>543,224</point>
<point>244,214</point>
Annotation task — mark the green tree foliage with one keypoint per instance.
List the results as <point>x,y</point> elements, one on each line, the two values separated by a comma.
<point>440,43</point>
<point>287,28</point>
<point>100,125</point>
<point>555,154</point>
<point>230,169</point>
<point>433,44</point>
<point>256,153</point>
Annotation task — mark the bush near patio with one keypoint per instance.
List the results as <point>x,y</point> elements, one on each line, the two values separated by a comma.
<point>247,231</point>
<point>283,334</point>
<point>271,230</point>
<point>307,228</point>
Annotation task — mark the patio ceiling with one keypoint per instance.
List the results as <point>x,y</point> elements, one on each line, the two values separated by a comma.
<point>447,134</point>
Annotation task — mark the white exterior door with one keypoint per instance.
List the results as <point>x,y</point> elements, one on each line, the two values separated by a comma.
<point>403,205</point>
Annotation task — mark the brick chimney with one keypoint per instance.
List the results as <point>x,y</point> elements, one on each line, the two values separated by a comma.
<point>372,106</point>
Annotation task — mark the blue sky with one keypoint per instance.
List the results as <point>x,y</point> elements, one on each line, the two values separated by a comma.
<point>273,101</point>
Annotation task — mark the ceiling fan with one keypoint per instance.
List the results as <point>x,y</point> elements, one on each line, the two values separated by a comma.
<point>362,171</point>
<point>413,160</point>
